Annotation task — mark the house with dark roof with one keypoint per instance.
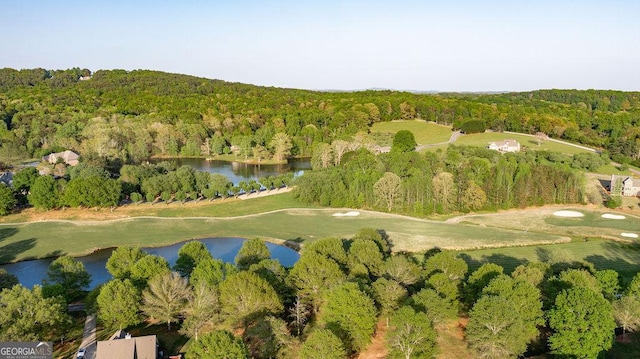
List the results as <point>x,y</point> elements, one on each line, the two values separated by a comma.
<point>123,346</point>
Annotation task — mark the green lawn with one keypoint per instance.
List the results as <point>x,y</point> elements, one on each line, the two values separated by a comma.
<point>424,132</point>
<point>604,254</point>
<point>42,239</point>
<point>529,142</point>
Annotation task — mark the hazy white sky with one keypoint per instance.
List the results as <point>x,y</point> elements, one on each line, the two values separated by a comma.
<point>442,45</point>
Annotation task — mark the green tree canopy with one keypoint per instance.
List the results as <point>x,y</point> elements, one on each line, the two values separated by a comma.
<point>583,323</point>
<point>505,318</point>
<point>403,141</point>
<point>245,296</point>
<point>123,259</point>
<point>146,268</point>
<point>350,314</point>
<point>313,274</point>
<point>70,274</point>
<point>252,252</point>
<point>7,200</point>
<point>119,304</point>
<point>7,280</point>
<point>219,344</point>
<point>411,335</point>
<point>323,344</point>
<point>166,297</point>
<point>25,315</point>
<point>189,255</point>
<point>44,193</point>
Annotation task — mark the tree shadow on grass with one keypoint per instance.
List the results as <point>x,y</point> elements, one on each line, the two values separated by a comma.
<point>509,263</point>
<point>10,251</point>
<point>7,232</point>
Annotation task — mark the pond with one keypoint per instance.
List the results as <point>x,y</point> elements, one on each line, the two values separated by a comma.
<point>237,171</point>
<point>32,272</point>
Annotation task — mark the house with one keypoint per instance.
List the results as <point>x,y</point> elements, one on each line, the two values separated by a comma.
<point>505,146</point>
<point>6,178</point>
<point>626,186</point>
<point>69,157</point>
<point>123,346</point>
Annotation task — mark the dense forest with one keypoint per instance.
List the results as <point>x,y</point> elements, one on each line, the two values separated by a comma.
<point>117,119</point>
<point>330,304</point>
<point>120,117</point>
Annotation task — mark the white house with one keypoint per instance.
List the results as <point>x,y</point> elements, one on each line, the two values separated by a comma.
<point>505,146</point>
<point>626,186</point>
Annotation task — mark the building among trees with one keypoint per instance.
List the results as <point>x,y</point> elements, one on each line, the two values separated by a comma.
<point>626,186</point>
<point>505,146</point>
<point>69,157</point>
<point>122,345</point>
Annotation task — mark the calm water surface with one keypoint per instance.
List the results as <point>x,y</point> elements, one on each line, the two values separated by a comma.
<point>237,171</point>
<point>30,273</point>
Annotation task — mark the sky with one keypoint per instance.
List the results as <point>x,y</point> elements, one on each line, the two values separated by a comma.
<point>487,45</point>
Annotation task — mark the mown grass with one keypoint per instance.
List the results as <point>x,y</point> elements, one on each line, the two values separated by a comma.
<point>529,142</point>
<point>604,254</point>
<point>43,239</point>
<point>424,132</point>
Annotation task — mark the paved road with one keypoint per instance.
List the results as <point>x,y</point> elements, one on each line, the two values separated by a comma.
<point>89,337</point>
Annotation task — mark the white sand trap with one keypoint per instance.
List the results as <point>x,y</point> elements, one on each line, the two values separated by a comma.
<point>348,214</point>
<point>572,214</point>
<point>613,216</point>
<point>629,235</point>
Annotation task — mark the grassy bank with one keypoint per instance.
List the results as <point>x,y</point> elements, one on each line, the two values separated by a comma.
<point>49,238</point>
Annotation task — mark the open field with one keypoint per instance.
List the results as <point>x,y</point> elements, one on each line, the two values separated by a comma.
<point>424,132</point>
<point>483,139</point>
<point>604,254</point>
<point>219,208</point>
<point>41,239</point>
<point>592,224</point>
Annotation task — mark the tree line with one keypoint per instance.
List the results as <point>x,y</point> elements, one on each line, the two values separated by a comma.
<point>121,117</point>
<point>331,302</point>
<point>91,186</point>
<point>457,179</point>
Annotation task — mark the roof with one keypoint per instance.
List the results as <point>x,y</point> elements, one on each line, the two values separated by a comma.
<point>509,143</point>
<point>136,347</point>
<point>69,157</point>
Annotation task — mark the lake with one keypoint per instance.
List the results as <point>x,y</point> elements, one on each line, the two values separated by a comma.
<point>32,272</point>
<point>237,171</point>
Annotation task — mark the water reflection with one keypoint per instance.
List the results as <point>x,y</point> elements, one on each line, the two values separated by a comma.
<point>30,273</point>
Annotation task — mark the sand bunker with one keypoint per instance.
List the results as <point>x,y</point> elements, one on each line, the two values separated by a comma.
<point>613,216</point>
<point>568,214</point>
<point>348,214</point>
<point>629,235</point>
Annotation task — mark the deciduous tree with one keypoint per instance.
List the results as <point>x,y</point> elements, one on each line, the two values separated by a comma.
<point>189,255</point>
<point>118,304</point>
<point>252,252</point>
<point>323,344</point>
<point>122,261</point>
<point>411,335</point>
<point>166,297</point>
<point>244,296</point>
<point>388,189</point>
<point>70,274</point>
<point>583,323</point>
<point>219,344</point>
<point>25,315</point>
<point>350,314</point>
